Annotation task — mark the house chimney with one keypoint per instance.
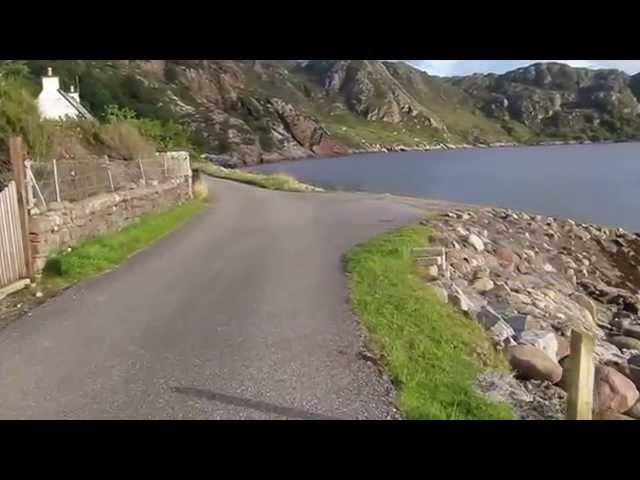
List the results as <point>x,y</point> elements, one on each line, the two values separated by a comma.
<point>73,93</point>
<point>50,84</point>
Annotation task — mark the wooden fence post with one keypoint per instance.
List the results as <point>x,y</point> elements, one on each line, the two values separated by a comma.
<point>581,373</point>
<point>16,153</point>
<point>110,177</point>
<point>55,179</point>
<point>144,180</point>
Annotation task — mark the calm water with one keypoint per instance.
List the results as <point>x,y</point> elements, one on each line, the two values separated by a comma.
<point>590,183</point>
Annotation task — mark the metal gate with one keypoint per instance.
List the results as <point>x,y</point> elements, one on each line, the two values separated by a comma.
<point>13,263</point>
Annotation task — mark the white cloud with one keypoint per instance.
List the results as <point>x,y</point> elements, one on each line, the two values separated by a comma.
<point>466,67</point>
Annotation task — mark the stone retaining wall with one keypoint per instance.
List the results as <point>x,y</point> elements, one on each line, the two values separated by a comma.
<point>65,224</point>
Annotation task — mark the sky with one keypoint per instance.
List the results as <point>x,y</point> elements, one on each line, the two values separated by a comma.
<point>466,67</point>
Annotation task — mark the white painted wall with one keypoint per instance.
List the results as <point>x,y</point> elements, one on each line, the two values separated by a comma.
<point>52,105</point>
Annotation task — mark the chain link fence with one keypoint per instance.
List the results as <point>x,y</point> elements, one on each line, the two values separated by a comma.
<point>73,180</point>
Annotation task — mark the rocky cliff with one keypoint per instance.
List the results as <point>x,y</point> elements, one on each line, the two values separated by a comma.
<point>246,112</point>
<point>555,100</point>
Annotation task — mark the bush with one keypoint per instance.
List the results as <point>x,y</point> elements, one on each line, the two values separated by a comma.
<point>266,142</point>
<point>124,141</point>
<point>167,135</point>
<point>19,116</point>
<point>200,189</point>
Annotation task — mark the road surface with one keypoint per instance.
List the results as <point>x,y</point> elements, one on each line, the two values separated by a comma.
<point>241,314</point>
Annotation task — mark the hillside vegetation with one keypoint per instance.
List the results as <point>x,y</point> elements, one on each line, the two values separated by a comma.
<point>246,112</point>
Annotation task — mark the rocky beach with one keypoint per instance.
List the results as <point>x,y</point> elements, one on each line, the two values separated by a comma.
<point>530,280</point>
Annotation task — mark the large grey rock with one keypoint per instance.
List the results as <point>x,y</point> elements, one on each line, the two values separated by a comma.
<point>483,285</point>
<point>613,391</point>
<point>606,352</point>
<point>632,331</point>
<point>475,242</point>
<point>531,363</point>
<point>459,299</point>
<point>487,317</point>
<point>625,343</point>
<point>521,323</point>
<point>585,302</point>
<point>544,340</point>
<point>501,334</point>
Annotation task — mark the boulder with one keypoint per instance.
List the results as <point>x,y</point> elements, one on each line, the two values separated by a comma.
<point>475,242</point>
<point>483,285</point>
<point>634,412</point>
<point>482,272</point>
<point>544,340</point>
<point>460,300</point>
<point>609,415</point>
<point>501,333</point>
<point>613,391</point>
<point>487,317</point>
<point>531,363</point>
<point>632,331</point>
<point>584,301</point>
<point>521,323</point>
<point>506,258</point>
<point>632,372</point>
<point>605,352</point>
<point>564,347</point>
<point>634,360</point>
<point>625,343</point>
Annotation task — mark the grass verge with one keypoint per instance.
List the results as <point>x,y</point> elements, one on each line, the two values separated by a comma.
<point>107,251</point>
<point>432,351</point>
<point>276,181</point>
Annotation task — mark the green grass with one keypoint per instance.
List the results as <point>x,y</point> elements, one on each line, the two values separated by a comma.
<point>276,181</point>
<point>107,251</point>
<point>352,130</point>
<point>432,351</point>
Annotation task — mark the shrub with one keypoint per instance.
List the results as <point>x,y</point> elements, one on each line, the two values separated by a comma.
<point>19,116</point>
<point>266,142</point>
<point>200,189</point>
<point>123,140</point>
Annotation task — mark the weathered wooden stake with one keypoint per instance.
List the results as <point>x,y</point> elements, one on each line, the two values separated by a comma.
<point>580,377</point>
<point>16,154</point>
<point>110,177</point>
<point>35,184</point>
<point>144,180</point>
<point>55,178</point>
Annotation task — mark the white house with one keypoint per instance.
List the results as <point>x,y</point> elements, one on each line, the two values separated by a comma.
<point>55,104</point>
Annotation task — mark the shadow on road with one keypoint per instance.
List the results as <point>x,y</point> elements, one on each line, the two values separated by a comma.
<point>258,405</point>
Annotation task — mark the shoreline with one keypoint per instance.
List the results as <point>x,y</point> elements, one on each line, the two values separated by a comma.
<point>530,280</point>
<point>378,148</point>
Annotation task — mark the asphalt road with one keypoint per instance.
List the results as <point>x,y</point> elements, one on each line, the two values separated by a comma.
<point>241,314</point>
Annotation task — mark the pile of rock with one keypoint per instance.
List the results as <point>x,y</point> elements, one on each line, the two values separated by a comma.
<point>530,280</point>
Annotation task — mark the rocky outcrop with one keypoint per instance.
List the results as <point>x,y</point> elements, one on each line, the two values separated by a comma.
<point>548,276</point>
<point>556,100</point>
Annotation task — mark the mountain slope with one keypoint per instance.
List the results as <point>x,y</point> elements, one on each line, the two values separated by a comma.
<point>255,111</point>
<point>556,100</point>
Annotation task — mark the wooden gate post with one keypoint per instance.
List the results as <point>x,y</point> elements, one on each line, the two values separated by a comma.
<point>581,373</point>
<point>16,153</point>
